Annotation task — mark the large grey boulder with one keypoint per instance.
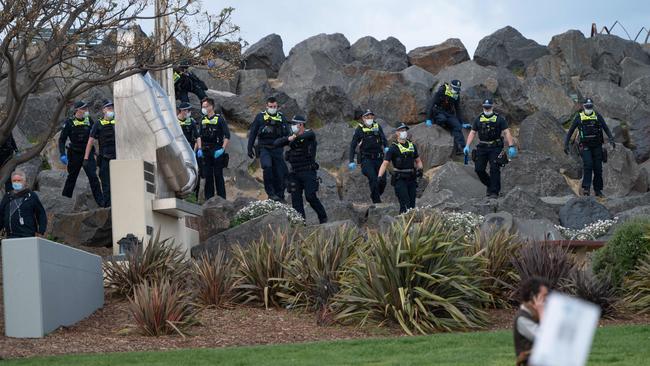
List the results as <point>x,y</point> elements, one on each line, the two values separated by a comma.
<point>459,180</point>
<point>633,213</point>
<point>613,101</point>
<point>548,96</point>
<point>508,48</point>
<point>215,78</point>
<point>536,230</point>
<point>542,134</point>
<point>620,204</point>
<point>435,58</point>
<point>236,109</point>
<point>632,69</point>
<point>575,51</point>
<point>353,187</point>
<point>538,174</point>
<point>386,55</point>
<point>252,84</point>
<point>89,228</point>
<point>497,221</point>
<point>522,204</point>
<point>333,144</point>
<point>639,132</point>
<point>470,74</point>
<point>267,54</point>
<point>33,122</point>
<point>615,48</point>
<point>217,214</point>
<point>434,144</point>
<point>620,173</point>
<point>328,104</point>
<point>582,211</point>
<point>640,88</point>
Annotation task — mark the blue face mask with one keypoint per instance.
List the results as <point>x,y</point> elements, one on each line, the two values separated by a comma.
<point>17,186</point>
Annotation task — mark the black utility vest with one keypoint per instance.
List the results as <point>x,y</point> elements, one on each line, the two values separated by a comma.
<point>591,133</point>
<point>189,130</point>
<point>488,128</point>
<point>271,129</point>
<point>212,134</point>
<point>107,138</point>
<point>406,157</point>
<point>79,133</point>
<point>371,142</point>
<point>302,154</point>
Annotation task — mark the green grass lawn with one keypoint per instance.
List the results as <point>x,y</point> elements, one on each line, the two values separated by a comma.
<point>624,345</point>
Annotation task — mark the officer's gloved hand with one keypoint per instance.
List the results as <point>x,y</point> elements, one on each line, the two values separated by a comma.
<point>199,153</point>
<point>566,149</point>
<point>386,149</point>
<point>64,159</point>
<point>613,145</point>
<point>512,151</point>
<point>466,150</point>
<point>251,154</point>
<point>352,165</point>
<point>85,163</point>
<point>429,123</point>
<point>218,153</point>
<point>467,126</point>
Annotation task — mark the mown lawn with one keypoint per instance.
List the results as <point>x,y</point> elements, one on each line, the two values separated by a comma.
<point>616,345</point>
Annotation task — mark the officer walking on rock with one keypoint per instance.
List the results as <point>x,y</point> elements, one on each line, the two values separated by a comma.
<point>590,125</point>
<point>77,129</point>
<point>370,139</point>
<point>490,126</point>
<point>191,132</point>
<point>407,167</point>
<point>104,132</point>
<point>444,110</point>
<point>267,127</point>
<point>302,157</point>
<point>214,137</point>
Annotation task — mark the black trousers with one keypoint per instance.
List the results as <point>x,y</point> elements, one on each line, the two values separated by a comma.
<point>274,171</point>
<point>485,155</point>
<point>306,181</point>
<point>75,163</point>
<point>183,95</point>
<point>451,122</point>
<point>370,168</point>
<point>405,189</point>
<point>197,189</point>
<point>105,178</point>
<point>213,172</point>
<point>592,165</point>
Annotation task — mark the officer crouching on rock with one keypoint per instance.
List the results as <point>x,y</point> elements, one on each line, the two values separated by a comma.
<point>302,158</point>
<point>490,126</point>
<point>407,167</point>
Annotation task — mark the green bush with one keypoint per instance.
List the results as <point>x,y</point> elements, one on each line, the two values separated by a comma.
<point>637,286</point>
<point>622,253</point>
<point>597,289</point>
<point>547,260</point>
<point>416,275</point>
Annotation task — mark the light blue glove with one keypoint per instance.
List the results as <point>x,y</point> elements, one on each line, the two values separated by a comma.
<point>64,159</point>
<point>512,151</point>
<point>386,149</point>
<point>429,123</point>
<point>218,153</point>
<point>467,126</point>
<point>199,153</point>
<point>466,150</point>
<point>352,165</point>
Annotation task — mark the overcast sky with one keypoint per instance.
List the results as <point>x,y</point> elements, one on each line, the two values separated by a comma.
<point>422,23</point>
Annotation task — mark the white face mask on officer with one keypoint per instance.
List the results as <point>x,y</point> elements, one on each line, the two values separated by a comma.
<point>588,111</point>
<point>110,115</point>
<point>86,114</point>
<point>488,112</point>
<point>403,135</point>
<point>271,111</point>
<point>294,128</point>
<point>204,111</point>
<point>369,122</point>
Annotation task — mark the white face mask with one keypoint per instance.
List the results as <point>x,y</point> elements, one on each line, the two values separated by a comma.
<point>271,111</point>
<point>369,122</point>
<point>294,128</point>
<point>86,114</point>
<point>488,113</point>
<point>588,111</point>
<point>110,115</point>
<point>204,111</point>
<point>403,135</point>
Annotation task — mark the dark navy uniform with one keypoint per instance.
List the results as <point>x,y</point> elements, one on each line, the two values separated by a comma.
<point>371,142</point>
<point>590,137</point>
<point>444,109</point>
<point>302,157</point>
<point>78,131</point>
<point>7,150</point>
<point>265,130</point>
<point>186,82</point>
<point>404,179</point>
<point>104,132</point>
<point>489,147</point>
<point>212,132</point>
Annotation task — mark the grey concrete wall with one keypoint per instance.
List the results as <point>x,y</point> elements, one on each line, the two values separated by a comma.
<point>48,285</point>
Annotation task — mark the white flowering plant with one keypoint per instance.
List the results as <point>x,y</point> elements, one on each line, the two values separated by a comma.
<point>466,222</point>
<point>259,208</point>
<point>589,232</point>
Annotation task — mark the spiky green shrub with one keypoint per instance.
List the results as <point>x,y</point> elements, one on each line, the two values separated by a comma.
<point>417,275</point>
<point>261,269</point>
<point>637,286</point>
<point>498,247</point>
<point>161,307</point>
<point>598,289</point>
<point>313,275</point>
<point>214,279</point>
<point>546,260</point>
<point>160,259</point>
<point>622,253</point>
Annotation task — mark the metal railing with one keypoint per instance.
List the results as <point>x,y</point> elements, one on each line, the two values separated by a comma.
<point>604,30</point>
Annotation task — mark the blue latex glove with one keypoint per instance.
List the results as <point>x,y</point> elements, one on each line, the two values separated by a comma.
<point>64,159</point>
<point>352,165</point>
<point>429,123</point>
<point>467,126</point>
<point>466,150</point>
<point>218,153</point>
<point>512,151</point>
<point>199,153</point>
<point>386,149</point>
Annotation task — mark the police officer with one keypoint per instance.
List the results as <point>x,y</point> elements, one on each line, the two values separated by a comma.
<point>370,139</point>
<point>104,132</point>
<point>444,109</point>
<point>191,132</point>
<point>302,157</point>
<point>407,167</point>
<point>7,150</point>
<point>267,127</point>
<point>77,129</point>
<point>490,126</point>
<point>590,125</point>
<point>214,137</point>
<point>21,213</point>
<point>186,82</point>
